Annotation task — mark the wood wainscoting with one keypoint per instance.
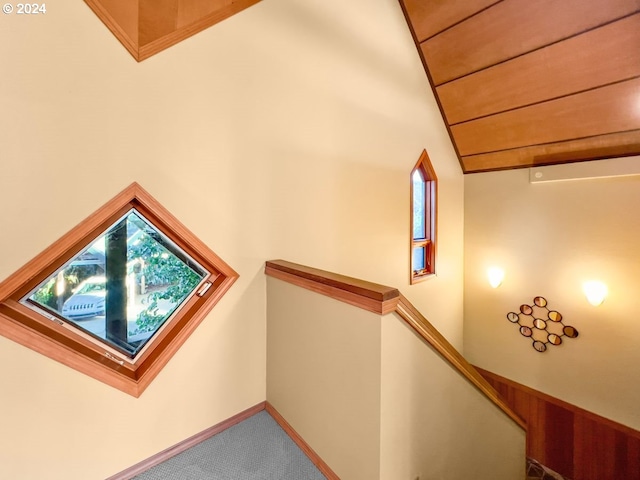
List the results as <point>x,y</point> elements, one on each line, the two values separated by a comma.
<point>570,440</point>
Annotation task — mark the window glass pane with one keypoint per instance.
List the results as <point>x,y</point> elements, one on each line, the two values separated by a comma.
<point>123,287</point>
<point>419,224</point>
<point>419,260</point>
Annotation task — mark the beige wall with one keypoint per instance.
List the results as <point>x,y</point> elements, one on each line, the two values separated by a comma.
<point>359,112</point>
<point>323,376</point>
<point>550,238</point>
<point>435,425</point>
<point>374,401</point>
<point>288,130</point>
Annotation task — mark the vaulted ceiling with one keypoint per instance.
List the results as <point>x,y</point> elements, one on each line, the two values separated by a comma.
<point>520,83</point>
<point>523,83</point>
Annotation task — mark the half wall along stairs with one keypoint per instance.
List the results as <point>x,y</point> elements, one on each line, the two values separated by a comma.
<point>338,350</point>
<point>563,441</point>
<point>375,389</point>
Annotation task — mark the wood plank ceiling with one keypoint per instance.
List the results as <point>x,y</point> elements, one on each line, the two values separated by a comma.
<point>523,83</point>
<point>146,27</point>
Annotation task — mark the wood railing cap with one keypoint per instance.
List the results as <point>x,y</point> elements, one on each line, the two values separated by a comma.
<point>363,288</point>
<point>383,300</point>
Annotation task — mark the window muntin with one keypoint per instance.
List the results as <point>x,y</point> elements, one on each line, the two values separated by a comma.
<point>149,279</point>
<point>423,219</point>
<point>27,318</point>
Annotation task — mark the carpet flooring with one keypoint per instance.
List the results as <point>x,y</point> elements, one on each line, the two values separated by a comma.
<point>255,449</point>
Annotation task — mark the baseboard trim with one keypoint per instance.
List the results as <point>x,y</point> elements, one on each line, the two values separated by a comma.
<point>299,441</point>
<point>158,458</point>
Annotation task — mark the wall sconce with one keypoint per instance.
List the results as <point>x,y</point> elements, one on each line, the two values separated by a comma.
<point>595,292</point>
<point>495,276</point>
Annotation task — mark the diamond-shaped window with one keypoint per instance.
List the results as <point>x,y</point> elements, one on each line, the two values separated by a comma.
<point>117,296</point>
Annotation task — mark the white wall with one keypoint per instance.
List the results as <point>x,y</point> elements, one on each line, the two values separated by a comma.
<point>288,130</point>
<point>550,238</point>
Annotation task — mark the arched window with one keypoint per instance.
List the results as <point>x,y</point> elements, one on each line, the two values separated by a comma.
<point>423,219</point>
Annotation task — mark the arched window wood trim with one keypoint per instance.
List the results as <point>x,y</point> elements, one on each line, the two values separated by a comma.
<point>424,200</point>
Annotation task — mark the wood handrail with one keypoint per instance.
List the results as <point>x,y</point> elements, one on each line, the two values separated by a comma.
<point>381,299</point>
<point>433,337</point>
<point>371,296</point>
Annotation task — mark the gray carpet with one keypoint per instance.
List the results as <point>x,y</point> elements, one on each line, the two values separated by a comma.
<point>255,449</point>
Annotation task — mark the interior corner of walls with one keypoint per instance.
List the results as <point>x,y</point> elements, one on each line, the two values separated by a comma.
<point>321,385</point>
<point>551,238</point>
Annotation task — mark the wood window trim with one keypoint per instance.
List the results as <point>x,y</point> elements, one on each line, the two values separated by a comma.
<point>427,171</point>
<point>27,327</point>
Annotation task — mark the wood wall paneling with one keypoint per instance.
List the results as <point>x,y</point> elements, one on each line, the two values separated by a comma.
<point>595,457</point>
<point>558,438</point>
<point>598,57</point>
<point>627,455</point>
<point>608,109</point>
<point>511,28</point>
<point>429,18</point>
<point>570,440</point>
<point>535,418</point>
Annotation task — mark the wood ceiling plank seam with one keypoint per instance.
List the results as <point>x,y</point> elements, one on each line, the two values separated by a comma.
<point>549,143</point>
<point>534,162</point>
<point>546,74</point>
<point>542,47</point>
<point>601,110</point>
<point>551,99</point>
<point>447,53</point>
<point>620,144</point>
<point>459,21</point>
<point>546,144</point>
<point>577,144</point>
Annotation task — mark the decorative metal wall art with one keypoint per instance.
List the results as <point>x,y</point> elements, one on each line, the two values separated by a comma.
<point>542,325</point>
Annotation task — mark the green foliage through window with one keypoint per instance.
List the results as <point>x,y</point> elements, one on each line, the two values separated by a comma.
<point>152,277</point>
